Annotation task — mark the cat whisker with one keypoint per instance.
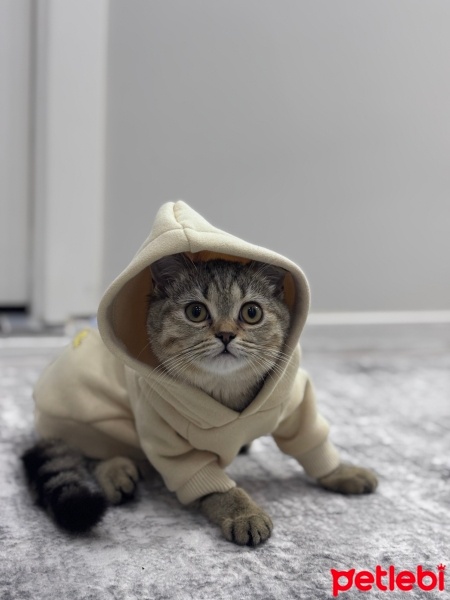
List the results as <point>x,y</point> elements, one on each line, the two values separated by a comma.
<point>259,347</point>
<point>174,369</point>
<point>271,367</point>
<point>165,364</point>
<point>281,361</point>
<point>143,350</point>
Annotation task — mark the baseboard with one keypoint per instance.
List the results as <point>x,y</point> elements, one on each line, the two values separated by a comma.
<point>378,331</point>
<point>379,318</point>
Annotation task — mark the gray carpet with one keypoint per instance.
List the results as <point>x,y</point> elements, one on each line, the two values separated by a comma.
<point>389,408</point>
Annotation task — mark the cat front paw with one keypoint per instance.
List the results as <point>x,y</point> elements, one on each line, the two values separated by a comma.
<point>349,479</point>
<point>248,530</point>
<point>241,520</point>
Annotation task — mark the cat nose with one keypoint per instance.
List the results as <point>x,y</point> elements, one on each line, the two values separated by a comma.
<point>226,336</point>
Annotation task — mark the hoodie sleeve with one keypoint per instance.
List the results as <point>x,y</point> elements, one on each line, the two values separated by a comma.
<point>188,472</point>
<point>303,433</point>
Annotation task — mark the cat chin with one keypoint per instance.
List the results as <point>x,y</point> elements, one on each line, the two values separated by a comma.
<point>224,364</point>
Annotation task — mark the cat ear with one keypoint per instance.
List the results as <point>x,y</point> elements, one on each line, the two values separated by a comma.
<point>274,275</point>
<point>167,269</point>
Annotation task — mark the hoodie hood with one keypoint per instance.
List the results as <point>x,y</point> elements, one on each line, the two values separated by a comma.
<point>178,228</point>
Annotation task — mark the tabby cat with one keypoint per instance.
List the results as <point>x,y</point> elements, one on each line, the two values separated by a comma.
<point>219,326</point>
<point>227,357</point>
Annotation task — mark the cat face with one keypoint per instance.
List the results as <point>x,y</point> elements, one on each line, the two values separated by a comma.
<point>217,318</point>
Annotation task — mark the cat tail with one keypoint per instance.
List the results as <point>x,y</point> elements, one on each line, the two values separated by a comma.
<point>63,485</point>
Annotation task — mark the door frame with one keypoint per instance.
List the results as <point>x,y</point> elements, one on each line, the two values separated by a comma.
<point>15,76</point>
<point>68,172</point>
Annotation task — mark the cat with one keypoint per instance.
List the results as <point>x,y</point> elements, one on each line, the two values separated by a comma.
<point>69,485</point>
<point>219,326</point>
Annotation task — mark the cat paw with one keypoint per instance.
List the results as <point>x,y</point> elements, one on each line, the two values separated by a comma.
<point>248,530</point>
<point>241,520</point>
<point>348,479</point>
<point>118,478</point>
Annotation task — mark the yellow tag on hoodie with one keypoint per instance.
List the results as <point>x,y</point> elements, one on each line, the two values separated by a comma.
<point>79,338</point>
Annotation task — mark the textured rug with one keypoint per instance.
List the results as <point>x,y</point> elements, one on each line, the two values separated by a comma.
<point>390,410</point>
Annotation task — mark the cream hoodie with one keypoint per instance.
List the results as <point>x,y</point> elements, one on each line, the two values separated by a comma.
<point>102,394</point>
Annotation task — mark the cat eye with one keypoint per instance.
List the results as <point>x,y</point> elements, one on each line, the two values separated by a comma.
<point>251,313</point>
<point>196,312</point>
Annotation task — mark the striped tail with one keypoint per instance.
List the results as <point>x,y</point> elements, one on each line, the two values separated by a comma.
<point>63,485</point>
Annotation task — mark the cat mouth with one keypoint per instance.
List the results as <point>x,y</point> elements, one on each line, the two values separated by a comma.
<point>223,363</point>
<point>226,352</point>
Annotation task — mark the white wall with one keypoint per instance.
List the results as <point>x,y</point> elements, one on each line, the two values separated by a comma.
<point>319,129</point>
